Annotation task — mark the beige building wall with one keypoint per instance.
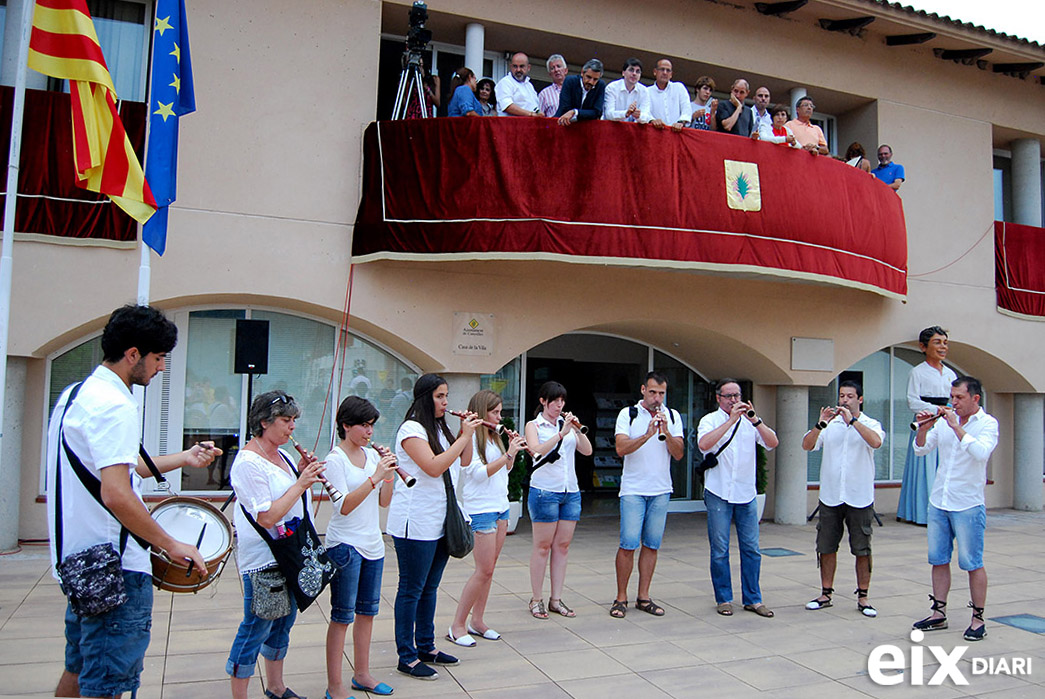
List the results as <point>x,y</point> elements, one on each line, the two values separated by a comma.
<point>269,186</point>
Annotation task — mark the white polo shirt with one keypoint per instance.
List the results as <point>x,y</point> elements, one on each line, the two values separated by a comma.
<point>511,91</point>
<point>561,476</point>
<point>647,470</point>
<point>733,479</point>
<point>101,428</point>
<point>962,471</point>
<point>847,469</point>
<point>418,513</point>
<point>481,492</point>
<point>360,528</point>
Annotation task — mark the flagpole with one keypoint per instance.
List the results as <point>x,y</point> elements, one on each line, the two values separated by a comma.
<point>10,474</point>
<point>145,260</point>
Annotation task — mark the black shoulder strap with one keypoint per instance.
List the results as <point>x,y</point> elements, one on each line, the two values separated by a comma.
<point>633,412</point>
<point>731,436</point>
<point>552,456</point>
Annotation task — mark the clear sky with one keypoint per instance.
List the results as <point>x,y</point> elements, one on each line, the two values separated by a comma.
<point>1022,18</point>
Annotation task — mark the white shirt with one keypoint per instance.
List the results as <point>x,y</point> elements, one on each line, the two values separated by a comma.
<point>511,91</point>
<point>258,483</point>
<point>733,479</point>
<point>847,469</point>
<point>962,471</point>
<point>618,99</point>
<point>927,381</point>
<point>418,513</point>
<point>757,121</point>
<point>101,428</point>
<point>481,492</point>
<point>561,476</point>
<point>360,528</point>
<point>647,470</point>
<point>671,104</point>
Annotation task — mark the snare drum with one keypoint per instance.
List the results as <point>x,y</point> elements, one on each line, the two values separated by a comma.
<point>185,519</point>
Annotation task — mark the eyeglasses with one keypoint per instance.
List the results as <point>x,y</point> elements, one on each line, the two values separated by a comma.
<point>727,396</point>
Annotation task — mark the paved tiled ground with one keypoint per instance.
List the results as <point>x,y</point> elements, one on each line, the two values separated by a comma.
<point>690,652</point>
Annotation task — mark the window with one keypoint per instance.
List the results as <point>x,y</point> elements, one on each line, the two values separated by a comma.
<point>883,376</point>
<point>123,33</point>
<point>200,398</point>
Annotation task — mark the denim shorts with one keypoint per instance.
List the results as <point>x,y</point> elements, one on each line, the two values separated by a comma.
<point>486,522</point>
<point>108,651</point>
<point>967,526</point>
<point>271,638</point>
<point>356,586</point>
<point>642,517</point>
<point>549,506</point>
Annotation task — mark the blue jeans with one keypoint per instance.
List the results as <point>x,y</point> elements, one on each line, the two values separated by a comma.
<point>356,586</point>
<point>720,514</point>
<point>421,565</point>
<point>270,637</point>
<point>107,651</point>
<point>642,519</point>
<point>965,526</point>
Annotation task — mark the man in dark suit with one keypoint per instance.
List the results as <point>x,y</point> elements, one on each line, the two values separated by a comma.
<point>582,95</point>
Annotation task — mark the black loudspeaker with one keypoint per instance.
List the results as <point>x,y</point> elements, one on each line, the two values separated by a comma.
<point>252,347</point>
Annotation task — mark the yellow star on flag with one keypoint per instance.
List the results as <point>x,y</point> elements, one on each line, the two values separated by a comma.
<point>176,53</point>
<point>165,110</point>
<point>176,84</point>
<point>163,24</point>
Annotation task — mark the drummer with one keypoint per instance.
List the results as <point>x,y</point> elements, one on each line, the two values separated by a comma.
<point>99,427</point>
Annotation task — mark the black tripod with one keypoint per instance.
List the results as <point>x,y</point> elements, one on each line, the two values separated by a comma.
<point>410,84</point>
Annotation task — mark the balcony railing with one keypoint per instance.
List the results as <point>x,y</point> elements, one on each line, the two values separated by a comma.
<point>49,200</point>
<point>624,194</point>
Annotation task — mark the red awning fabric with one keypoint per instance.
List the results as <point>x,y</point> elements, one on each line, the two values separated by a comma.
<point>1019,275</point>
<point>625,194</point>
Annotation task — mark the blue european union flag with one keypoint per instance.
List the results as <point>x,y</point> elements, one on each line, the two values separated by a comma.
<point>172,96</point>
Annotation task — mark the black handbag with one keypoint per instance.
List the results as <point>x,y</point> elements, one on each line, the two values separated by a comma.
<point>459,536</point>
<point>710,459</point>
<point>300,556</point>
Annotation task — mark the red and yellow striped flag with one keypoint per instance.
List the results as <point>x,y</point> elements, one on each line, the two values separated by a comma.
<point>64,45</point>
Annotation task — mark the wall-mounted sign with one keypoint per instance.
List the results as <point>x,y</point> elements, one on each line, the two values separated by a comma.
<point>472,334</point>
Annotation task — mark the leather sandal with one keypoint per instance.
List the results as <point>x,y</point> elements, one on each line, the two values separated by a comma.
<point>933,624</point>
<point>619,609</point>
<point>979,632</point>
<point>537,609</point>
<point>725,608</point>
<point>865,609</point>
<point>649,606</point>
<point>760,609</point>
<point>821,603</point>
<point>557,606</point>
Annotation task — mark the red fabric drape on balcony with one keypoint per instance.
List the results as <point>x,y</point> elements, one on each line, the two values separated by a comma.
<point>617,193</point>
<point>1019,269</point>
<point>46,168</point>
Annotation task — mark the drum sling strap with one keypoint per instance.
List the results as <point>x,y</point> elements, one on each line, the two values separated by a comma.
<point>91,484</point>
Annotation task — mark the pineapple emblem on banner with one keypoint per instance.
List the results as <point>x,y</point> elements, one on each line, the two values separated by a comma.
<point>743,191</point>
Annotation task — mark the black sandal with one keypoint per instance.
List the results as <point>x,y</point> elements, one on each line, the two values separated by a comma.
<point>618,609</point>
<point>978,633</point>
<point>865,609</point>
<point>819,603</point>
<point>649,606</point>
<point>931,624</point>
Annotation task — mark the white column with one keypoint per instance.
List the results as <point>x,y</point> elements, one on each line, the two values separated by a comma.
<point>462,388</point>
<point>1028,446</point>
<point>1026,181</point>
<point>474,47</point>
<point>792,413</point>
<point>797,93</point>
<point>11,459</point>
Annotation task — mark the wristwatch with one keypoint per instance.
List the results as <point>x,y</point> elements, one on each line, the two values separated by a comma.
<point>820,425</point>
<point>852,421</point>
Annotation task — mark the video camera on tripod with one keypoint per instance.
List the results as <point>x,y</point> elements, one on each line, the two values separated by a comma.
<point>410,81</point>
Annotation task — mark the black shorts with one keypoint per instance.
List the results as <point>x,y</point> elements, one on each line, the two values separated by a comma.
<point>857,520</point>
